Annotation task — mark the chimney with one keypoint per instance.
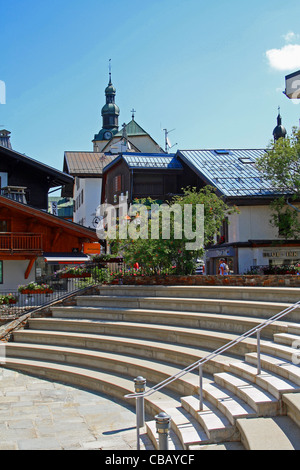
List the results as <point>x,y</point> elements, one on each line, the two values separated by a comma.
<point>5,139</point>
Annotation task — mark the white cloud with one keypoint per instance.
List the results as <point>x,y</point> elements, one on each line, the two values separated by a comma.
<point>291,37</point>
<point>286,58</point>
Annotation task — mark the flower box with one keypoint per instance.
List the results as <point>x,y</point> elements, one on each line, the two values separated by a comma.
<point>34,288</point>
<point>37,291</point>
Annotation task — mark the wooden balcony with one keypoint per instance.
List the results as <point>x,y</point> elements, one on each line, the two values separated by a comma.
<point>20,243</point>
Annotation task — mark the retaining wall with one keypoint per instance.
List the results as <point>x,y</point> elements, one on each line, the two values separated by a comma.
<point>234,280</point>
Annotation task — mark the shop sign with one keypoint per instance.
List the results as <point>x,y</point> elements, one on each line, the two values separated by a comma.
<point>219,253</point>
<point>281,254</point>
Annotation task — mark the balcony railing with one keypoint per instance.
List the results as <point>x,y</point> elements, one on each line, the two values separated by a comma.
<point>20,242</point>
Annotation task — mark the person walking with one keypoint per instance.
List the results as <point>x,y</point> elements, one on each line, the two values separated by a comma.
<point>223,268</point>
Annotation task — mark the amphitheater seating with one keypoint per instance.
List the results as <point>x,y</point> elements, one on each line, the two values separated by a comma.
<point>108,339</point>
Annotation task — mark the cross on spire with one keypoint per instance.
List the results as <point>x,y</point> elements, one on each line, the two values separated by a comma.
<point>109,68</point>
<point>133,111</point>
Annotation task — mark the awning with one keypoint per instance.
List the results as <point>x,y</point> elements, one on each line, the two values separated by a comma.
<point>66,258</point>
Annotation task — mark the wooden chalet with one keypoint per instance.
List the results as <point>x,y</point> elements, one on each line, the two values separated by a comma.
<point>33,178</point>
<point>28,234</point>
<point>142,175</point>
<point>27,230</point>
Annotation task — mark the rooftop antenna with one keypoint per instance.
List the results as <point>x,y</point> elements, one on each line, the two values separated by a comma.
<point>167,142</point>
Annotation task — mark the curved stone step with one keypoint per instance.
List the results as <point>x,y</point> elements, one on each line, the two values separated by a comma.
<point>292,403</point>
<point>216,425</point>
<point>227,402</point>
<point>185,427</point>
<point>267,380</point>
<point>260,400</point>
<point>187,430</point>
<point>222,446</point>
<point>273,294</point>
<point>125,365</point>
<point>287,339</point>
<point>211,340</point>
<point>180,355</point>
<point>231,307</point>
<point>228,323</point>
<point>109,339</point>
<point>277,433</point>
<point>95,380</point>
<point>277,365</point>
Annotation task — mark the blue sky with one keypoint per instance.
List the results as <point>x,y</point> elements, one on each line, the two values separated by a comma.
<point>213,71</point>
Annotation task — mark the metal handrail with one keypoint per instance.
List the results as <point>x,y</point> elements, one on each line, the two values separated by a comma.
<point>216,353</point>
<point>140,382</point>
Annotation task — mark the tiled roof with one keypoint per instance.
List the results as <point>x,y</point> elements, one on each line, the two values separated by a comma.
<point>232,172</point>
<point>85,163</point>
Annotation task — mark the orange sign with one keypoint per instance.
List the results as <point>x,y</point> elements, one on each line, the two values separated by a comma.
<point>91,248</point>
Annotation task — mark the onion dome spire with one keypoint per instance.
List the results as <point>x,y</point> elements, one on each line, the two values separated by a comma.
<point>279,131</point>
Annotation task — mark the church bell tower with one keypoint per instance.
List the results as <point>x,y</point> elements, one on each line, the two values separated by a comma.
<point>110,117</point>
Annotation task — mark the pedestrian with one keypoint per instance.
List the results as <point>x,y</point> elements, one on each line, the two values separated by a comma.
<point>223,268</point>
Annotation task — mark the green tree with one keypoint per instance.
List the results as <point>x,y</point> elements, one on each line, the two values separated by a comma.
<point>170,254</point>
<point>281,166</point>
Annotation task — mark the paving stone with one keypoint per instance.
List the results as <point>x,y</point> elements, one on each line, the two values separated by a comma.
<point>38,414</point>
<point>20,424</point>
<point>8,445</point>
<point>39,444</point>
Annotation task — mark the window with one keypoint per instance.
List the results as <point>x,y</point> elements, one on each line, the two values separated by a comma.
<point>148,185</point>
<point>222,152</point>
<point>246,160</point>
<point>223,236</point>
<point>1,272</point>
<point>4,225</point>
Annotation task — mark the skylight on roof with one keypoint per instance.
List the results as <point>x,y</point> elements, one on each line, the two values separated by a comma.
<point>222,152</point>
<point>245,160</point>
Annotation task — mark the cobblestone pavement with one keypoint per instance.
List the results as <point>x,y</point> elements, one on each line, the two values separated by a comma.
<point>37,414</point>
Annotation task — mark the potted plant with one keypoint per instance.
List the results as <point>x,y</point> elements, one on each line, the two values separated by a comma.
<point>116,278</point>
<point>34,288</point>
<point>76,272</point>
<point>8,299</point>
